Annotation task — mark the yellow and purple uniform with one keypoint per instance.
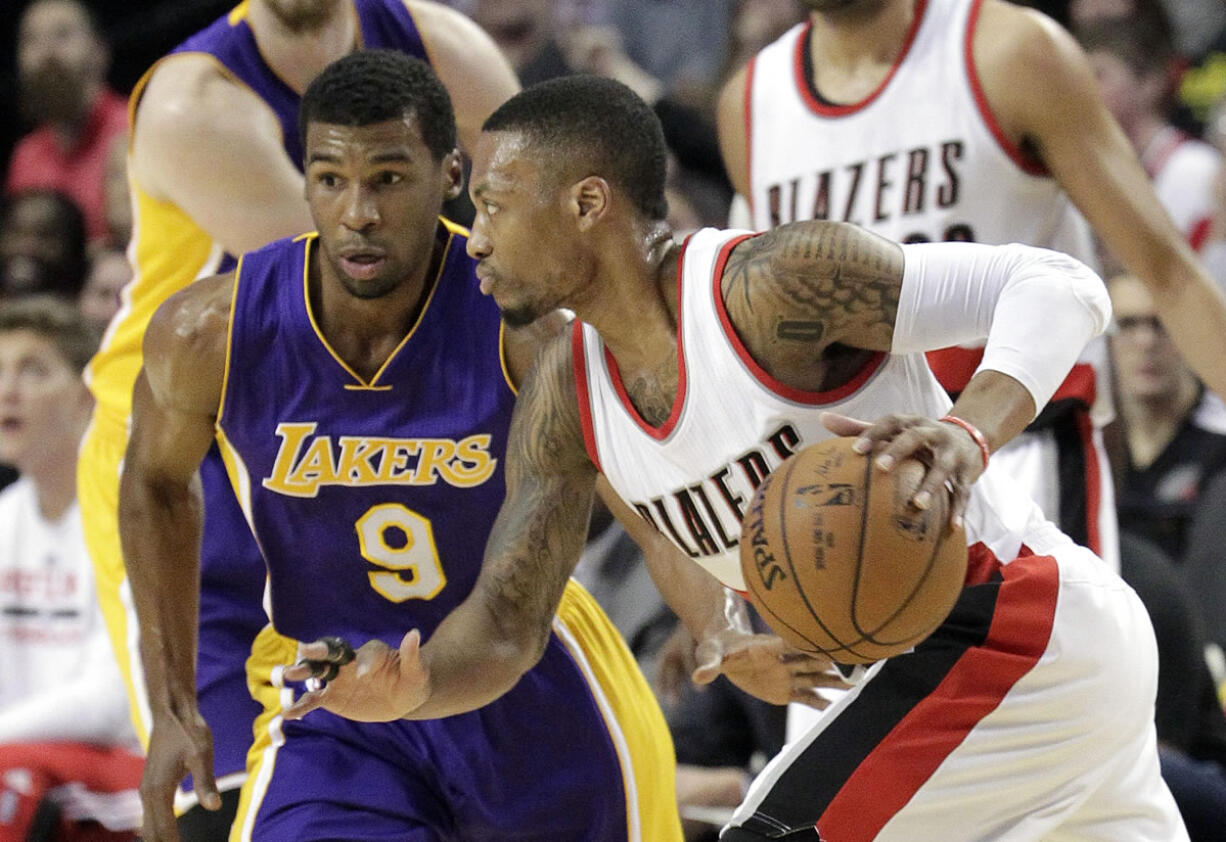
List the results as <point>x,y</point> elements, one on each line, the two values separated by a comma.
<point>169,251</point>
<point>372,501</point>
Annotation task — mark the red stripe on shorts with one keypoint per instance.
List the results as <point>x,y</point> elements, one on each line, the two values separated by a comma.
<point>910,754</point>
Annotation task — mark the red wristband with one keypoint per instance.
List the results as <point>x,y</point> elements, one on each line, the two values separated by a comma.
<point>984,450</point>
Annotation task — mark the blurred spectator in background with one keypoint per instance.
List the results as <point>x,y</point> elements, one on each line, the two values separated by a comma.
<point>67,765</point>
<point>1133,61</point>
<point>109,272</point>
<point>62,62</point>
<point>1196,30</point>
<point>1175,431</point>
<point>42,245</point>
<point>544,39</point>
<point>527,33</point>
<point>682,43</point>
<point>116,198</point>
<point>756,23</point>
<point>1190,723</point>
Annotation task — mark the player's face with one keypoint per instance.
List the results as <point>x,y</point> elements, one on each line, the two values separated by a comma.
<point>375,194</point>
<point>59,59</point>
<point>1148,366</point>
<point>43,402</point>
<point>519,232</point>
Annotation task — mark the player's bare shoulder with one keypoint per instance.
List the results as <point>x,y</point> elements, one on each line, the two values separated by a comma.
<point>547,431</point>
<point>522,345</point>
<point>188,100</point>
<point>793,291</point>
<point>186,342</point>
<point>1024,61</point>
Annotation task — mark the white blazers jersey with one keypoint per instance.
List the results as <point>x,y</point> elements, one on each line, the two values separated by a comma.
<point>732,424</point>
<point>921,159</point>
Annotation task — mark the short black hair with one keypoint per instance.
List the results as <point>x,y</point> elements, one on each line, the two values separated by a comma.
<point>58,321</point>
<point>595,124</point>
<point>373,86</point>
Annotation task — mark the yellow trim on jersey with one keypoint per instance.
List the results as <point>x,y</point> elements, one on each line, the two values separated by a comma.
<point>632,715</point>
<point>373,383</point>
<point>270,653</point>
<point>456,228</point>
<point>502,357</point>
<point>225,373</point>
<point>238,13</point>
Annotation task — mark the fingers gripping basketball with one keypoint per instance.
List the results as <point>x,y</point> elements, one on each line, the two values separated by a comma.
<point>837,561</point>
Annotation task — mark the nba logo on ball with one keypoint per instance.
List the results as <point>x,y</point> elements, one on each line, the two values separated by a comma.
<point>837,561</point>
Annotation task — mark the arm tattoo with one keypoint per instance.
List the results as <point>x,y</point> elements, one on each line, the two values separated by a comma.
<point>540,530</point>
<point>817,282</point>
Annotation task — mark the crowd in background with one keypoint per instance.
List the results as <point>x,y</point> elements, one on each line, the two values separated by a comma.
<point>65,223</point>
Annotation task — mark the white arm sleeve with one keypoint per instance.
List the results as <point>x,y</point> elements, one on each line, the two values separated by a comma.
<point>1036,308</point>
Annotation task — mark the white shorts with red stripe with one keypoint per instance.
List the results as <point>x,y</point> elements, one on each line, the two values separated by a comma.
<point>1029,715</point>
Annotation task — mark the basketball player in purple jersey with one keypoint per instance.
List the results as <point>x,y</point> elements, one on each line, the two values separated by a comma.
<point>695,368</point>
<point>360,388</point>
<point>215,164</point>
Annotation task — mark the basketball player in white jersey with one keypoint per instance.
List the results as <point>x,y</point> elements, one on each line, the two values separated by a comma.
<point>692,371</point>
<point>970,120</point>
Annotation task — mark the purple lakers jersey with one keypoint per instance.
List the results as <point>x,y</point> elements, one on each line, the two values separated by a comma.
<point>352,487</point>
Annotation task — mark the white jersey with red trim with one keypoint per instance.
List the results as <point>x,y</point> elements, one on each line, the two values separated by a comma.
<point>920,159</point>
<point>732,423</point>
<point>1183,170</point>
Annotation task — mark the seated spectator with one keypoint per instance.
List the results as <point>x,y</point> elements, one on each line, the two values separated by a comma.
<point>109,272</point>
<point>1191,724</point>
<point>1134,65</point>
<point>62,61</point>
<point>42,245</point>
<point>1174,431</point>
<point>67,764</point>
<point>1204,568</point>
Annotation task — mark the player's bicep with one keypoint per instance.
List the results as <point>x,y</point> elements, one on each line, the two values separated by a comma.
<point>733,130</point>
<point>1059,111</point>
<point>807,285</point>
<point>542,526</point>
<point>166,443</point>
<point>216,151</point>
<point>178,392</point>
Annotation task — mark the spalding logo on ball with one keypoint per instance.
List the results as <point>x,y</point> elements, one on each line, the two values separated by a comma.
<point>838,562</point>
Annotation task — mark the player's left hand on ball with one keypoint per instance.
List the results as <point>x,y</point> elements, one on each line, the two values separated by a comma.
<point>952,458</point>
<point>374,684</point>
<point>765,666</point>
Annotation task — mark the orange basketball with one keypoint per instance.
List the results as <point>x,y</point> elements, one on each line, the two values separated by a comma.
<point>836,561</point>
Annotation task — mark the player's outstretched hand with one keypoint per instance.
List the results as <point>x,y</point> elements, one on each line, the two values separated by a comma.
<point>767,667</point>
<point>177,745</point>
<point>374,684</point>
<point>953,458</point>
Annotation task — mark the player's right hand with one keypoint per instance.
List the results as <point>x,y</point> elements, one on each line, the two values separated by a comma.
<point>375,684</point>
<point>177,745</point>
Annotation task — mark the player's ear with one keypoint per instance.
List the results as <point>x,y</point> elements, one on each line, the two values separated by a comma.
<point>452,170</point>
<point>591,199</point>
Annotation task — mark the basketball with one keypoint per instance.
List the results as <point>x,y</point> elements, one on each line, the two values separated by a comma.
<point>837,561</point>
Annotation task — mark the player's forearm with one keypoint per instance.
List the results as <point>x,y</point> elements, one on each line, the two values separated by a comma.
<point>704,606</point>
<point>997,405</point>
<point>1193,309</point>
<point>160,526</point>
